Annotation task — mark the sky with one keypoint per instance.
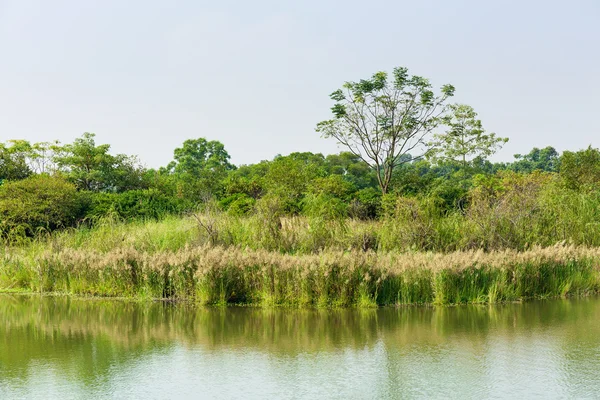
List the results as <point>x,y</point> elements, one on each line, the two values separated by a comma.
<point>256,75</point>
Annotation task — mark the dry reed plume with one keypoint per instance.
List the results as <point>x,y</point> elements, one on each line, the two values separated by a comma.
<point>220,275</point>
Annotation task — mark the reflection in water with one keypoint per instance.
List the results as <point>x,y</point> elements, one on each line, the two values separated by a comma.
<point>62,347</point>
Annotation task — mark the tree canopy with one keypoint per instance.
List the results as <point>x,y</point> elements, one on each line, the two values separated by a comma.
<point>92,167</point>
<point>381,120</point>
<point>464,137</point>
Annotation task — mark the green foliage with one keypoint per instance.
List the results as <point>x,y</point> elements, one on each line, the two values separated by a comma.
<point>13,165</point>
<point>581,170</point>
<point>37,204</point>
<point>546,159</point>
<point>305,202</point>
<point>326,219</point>
<point>413,178</point>
<point>411,223</point>
<point>200,167</point>
<point>505,211</point>
<point>288,178</point>
<point>380,120</point>
<point>238,204</point>
<point>464,138</point>
<point>333,185</point>
<point>92,168</point>
<point>133,204</point>
<point>352,168</point>
<point>451,192</point>
<point>366,204</point>
<point>238,183</point>
<point>197,156</point>
<point>324,206</point>
<point>267,218</point>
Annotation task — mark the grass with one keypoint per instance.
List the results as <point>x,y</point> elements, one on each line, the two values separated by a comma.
<point>308,263</point>
<point>331,278</point>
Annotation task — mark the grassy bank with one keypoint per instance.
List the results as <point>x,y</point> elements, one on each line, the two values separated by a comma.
<point>230,275</point>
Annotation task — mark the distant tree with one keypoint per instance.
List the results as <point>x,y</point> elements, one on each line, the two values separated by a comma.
<point>464,138</point>
<point>380,120</point>
<point>288,177</point>
<point>42,157</point>
<point>201,166</point>
<point>38,157</point>
<point>197,156</point>
<point>581,170</point>
<point>91,167</point>
<point>247,179</point>
<point>546,159</point>
<point>13,164</point>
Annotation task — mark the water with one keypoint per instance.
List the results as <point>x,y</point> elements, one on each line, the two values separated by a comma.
<point>56,347</point>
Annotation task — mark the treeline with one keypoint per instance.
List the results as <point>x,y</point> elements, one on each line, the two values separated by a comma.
<point>48,186</point>
<point>415,166</point>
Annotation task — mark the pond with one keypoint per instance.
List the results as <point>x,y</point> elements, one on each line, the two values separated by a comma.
<point>63,348</point>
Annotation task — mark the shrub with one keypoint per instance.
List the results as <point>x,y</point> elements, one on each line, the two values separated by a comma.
<point>366,205</point>
<point>268,211</point>
<point>581,170</point>
<point>133,204</point>
<point>326,216</point>
<point>505,210</point>
<point>411,223</point>
<point>38,203</point>
<point>238,204</point>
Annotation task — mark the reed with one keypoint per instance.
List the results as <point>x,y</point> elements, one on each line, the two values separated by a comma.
<point>232,275</point>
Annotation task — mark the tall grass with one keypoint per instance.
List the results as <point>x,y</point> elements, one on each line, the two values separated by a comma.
<point>516,212</point>
<point>218,275</point>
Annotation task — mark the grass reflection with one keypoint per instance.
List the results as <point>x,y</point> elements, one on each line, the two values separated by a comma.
<point>87,338</point>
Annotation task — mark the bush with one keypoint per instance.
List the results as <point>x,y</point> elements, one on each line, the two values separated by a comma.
<point>38,203</point>
<point>238,204</point>
<point>366,205</point>
<point>326,217</point>
<point>134,204</point>
<point>410,223</point>
<point>452,192</point>
<point>268,212</point>
<point>505,211</point>
<point>581,170</point>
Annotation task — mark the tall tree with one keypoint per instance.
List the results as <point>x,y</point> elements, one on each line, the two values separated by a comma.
<point>13,163</point>
<point>464,138</point>
<point>197,156</point>
<point>288,176</point>
<point>381,121</point>
<point>91,167</point>
<point>201,165</point>
<point>42,157</point>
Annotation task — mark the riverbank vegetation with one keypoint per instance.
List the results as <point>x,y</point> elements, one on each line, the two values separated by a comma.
<point>216,275</point>
<point>413,185</point>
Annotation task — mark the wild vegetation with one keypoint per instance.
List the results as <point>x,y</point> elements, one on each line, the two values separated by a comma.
<point>412,212</point>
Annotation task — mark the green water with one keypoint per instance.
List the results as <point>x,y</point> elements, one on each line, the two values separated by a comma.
<point>56,347</point>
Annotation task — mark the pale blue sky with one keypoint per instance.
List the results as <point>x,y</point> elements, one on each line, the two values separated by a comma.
<point>255,75</point>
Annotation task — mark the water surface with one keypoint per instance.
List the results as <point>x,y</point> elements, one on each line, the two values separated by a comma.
<point>59,347</point>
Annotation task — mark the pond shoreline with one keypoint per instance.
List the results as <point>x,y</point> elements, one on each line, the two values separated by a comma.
<point>193,303</point>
